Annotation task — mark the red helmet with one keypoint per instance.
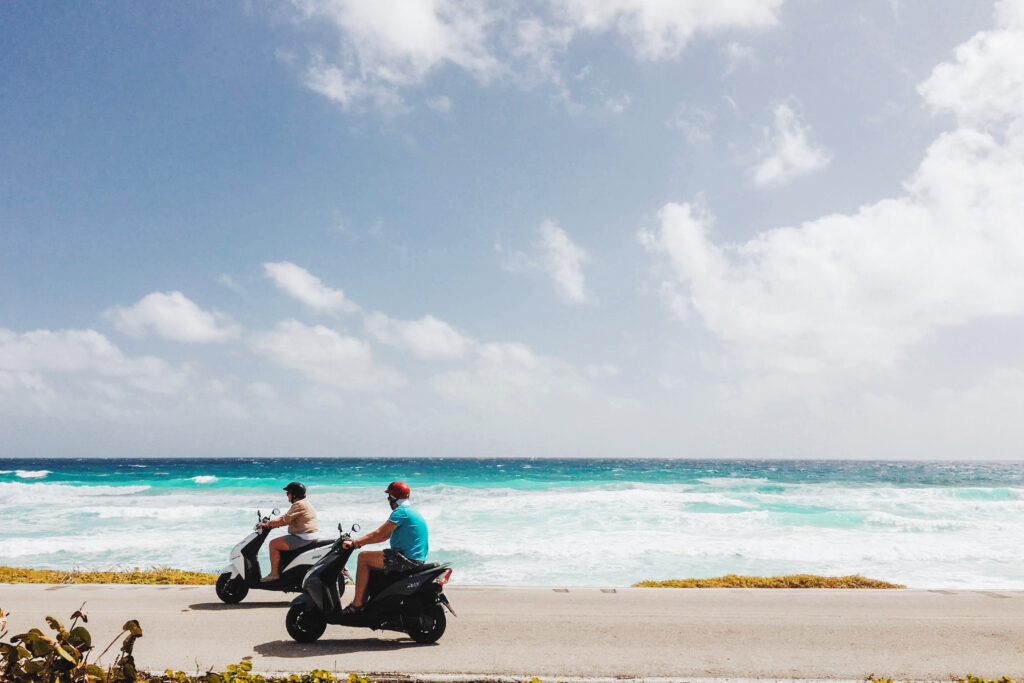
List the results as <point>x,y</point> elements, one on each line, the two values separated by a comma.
<point>398,489</point>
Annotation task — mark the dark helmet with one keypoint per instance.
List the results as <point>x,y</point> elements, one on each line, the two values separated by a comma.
<point>296,489</point>
<point>398,489</point>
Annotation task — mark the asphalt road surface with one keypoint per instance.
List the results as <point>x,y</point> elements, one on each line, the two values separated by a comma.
<point>575,632</point>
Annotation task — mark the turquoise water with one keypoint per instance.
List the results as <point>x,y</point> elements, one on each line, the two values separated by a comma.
<point>545,522</point>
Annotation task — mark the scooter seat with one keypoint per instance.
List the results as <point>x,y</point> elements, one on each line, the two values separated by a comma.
<point>415,570</point>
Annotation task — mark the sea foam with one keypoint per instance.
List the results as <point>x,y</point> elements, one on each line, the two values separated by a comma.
<point>31,474</point>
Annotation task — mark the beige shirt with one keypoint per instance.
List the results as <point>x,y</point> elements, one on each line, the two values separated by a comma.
<point>301,517</point>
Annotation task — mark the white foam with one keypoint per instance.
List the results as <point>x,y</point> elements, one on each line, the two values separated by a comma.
<point>31,474</point>
<point>67,495</point>
<point>204,479</point>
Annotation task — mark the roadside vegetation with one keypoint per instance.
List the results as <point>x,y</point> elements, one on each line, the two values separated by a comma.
<point>67,657</point>
<point>793,581</point>
<point>164,576</point>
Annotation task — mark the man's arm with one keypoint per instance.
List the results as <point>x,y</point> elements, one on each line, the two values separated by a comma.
<point>383,533</point>
<point>282,520</point>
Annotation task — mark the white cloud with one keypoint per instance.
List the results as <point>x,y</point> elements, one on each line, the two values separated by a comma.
<point>230,283</point>
<point>389,45</point>
<point>172,316</point>
<point>789,153</point>
<point>326,357</point>
<point>603,371</point>
<point>563,261</point>
<point>427,337</point>
<point>618,104</point>
<point>31,355</point>
<point>307,288</point>
<point>556,255</point>
<point>855,291</point>
<point>738,55</point>
<point>441,104</point>
<point>510,375</point>
<point>660,29</point>
<point>695,122</point>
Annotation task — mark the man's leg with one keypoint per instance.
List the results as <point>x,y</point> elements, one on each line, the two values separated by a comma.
<point>368,559</point>
<point>276,547</point>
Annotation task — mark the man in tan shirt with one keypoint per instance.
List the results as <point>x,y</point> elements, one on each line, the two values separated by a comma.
<point>302,526</point>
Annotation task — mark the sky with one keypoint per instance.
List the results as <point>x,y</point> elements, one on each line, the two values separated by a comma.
<point>555,228</point>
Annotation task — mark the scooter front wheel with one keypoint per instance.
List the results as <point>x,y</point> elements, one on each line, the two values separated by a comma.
<point>427,626</point>
<point>305,625</point>
<point>231,590</point>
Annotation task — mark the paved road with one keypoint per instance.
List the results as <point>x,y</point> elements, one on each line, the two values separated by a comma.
<point>584,632</point>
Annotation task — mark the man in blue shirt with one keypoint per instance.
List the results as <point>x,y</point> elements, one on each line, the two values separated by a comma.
<point>408,534</point>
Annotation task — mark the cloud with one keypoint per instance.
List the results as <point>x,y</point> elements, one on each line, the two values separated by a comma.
<point>307,288</point>
<point>789,153</point>
<point>556,255</point>
<point>563,261</point>
<point>847,292</point>
<point>427,337</point>
<point>172,316</point>
<point>618,104</point>
<point>696,123</point>
<point>508,376</point>
<point>442,104</point>
<point>738,55</point>
<point>230,283</point>
<point>32,355</point>
<point>387,46</point>
<point>603,371</point>
<point>326,357</point>
<point>660,30</point>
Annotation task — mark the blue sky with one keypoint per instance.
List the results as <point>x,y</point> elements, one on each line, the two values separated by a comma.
<point>762,228</point>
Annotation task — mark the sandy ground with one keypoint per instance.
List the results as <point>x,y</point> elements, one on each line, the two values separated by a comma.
<point>576,632</point>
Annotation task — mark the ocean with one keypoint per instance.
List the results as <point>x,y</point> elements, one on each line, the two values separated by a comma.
<point>550,522</point>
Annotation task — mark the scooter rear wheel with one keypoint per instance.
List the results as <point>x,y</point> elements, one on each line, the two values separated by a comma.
<point>428,626</point>
<point>231,590</point>
<point>305,625</point>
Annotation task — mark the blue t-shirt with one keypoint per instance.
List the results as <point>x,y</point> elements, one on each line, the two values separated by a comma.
<point>410,538</point>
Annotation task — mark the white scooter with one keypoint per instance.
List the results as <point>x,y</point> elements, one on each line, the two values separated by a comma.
<point>244,571</point>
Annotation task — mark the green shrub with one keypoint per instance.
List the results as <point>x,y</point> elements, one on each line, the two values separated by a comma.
<point>792,581</point>
<point>155,575</point>
<point>34,657</point>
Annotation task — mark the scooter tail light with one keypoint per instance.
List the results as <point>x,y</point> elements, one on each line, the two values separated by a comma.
<point>443,578</point>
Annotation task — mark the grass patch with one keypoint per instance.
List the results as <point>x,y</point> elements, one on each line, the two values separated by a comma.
<point>793,581</point>
<point>162,576</point>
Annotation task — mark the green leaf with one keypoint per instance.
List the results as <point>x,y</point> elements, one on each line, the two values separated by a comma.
<point>64,654</point>
<point>55,625</point>
<point>81,635</point>
<point>132,627</point>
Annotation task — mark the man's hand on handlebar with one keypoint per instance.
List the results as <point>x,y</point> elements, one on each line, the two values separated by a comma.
<point>348,544</point>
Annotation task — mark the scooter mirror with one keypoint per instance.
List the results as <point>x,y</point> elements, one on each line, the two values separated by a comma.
<point>275,511</point>
<point>355,527</point>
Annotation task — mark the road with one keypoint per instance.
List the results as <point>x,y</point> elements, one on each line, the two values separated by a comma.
<point>576,632</point>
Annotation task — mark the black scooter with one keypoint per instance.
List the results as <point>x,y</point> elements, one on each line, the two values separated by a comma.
<point>411,601</point>
<point>244,571</point>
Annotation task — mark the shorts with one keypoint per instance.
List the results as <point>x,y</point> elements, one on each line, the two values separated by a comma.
<point>294,542</point>
<point>395,561</point>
